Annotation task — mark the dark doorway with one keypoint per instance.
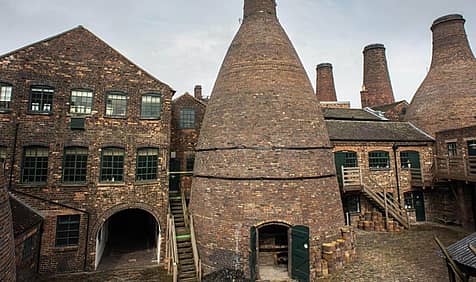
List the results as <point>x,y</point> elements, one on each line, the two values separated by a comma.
<point>273,252</point>
<point>174,179</point>
<point>419,203</point>
<point>128,238</point>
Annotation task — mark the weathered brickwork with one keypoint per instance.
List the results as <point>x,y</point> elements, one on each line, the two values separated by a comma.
<point>377,88</point>
<point>325,88</point>
<point>78,59</point>
<point>442,100</point>
<point>183,141</point>
<point>7,247</point>
<point>27,265</point>
<point>257,156</point>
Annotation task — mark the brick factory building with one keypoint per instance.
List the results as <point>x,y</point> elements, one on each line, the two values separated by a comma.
<point>100,164</point>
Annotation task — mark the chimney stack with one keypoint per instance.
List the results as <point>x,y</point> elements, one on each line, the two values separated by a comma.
<point>262,8</point>
<point>449,88</point>
<point>325,88</point>
<point>198,92</point>
<point>377,88</point>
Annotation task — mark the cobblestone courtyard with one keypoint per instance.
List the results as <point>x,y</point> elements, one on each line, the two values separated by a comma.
<point>407,256</point>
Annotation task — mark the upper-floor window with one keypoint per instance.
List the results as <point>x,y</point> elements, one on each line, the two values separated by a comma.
<point>452,151</point>
<point>67,230</point>
<point>379,160</point>
<point>187,118</point>
<point>472,148</point>
<point>75,164</point>
<point>35,165</point>
<point>112,165</point>
<point>190,163</point>
<point>5,96</point>
<point>151,106</point>
<point>3,155</point>
<point>81,102</point>
<point>147,164</point>
<point>116,104</point>
<point>41,99</point>
<point>410,159</point>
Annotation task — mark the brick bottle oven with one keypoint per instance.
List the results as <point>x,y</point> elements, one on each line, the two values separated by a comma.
<point>445,99</point>
<point>377,88</point>
<point>264,170</point>
<point>325,88</point>
<point>7,246</point>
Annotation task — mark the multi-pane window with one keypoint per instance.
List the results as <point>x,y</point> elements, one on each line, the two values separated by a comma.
<point>112,165</point>
<point>472,148</point>
<point>27,248</point>
<point>379,160</point>
<point>3,155</point>
<point>116,104</point>
<point>405,159</point>
<point>452,152</point>
<point>35,165</point>
<point>187,118</point>
<point>5,96</point>
<point>75,164</point>
<point>147,164</point>
<point>41,100</point>
<point>81,102</point>
<point>151,106</point>
<point>67,230</point>
<point>190,163</point>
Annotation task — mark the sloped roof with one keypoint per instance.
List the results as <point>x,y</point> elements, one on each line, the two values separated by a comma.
<point>189,96</point>
<point>352,130</point>
<point>462,254</point>
<point>348,114</point>
<point>24,217</point>
<point>385,108</point>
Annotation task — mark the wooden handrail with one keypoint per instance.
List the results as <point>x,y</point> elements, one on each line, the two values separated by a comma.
<point>196,257</point>
<point>185,209</point>
<point>171,251</point>
<point>449,260</point>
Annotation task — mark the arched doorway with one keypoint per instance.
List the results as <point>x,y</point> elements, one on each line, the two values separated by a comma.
<point>128,238</point>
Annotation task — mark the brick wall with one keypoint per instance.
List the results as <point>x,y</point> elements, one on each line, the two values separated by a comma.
<point>7,247</point>
<point>27,266</point>
<point>325,88</point>
<point>78,59</point>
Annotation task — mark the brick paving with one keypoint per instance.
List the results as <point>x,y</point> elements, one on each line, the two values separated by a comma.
<point>407,256</point>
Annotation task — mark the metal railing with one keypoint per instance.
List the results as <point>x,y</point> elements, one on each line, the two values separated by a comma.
<point>171,252</point>
<point>196,257</point>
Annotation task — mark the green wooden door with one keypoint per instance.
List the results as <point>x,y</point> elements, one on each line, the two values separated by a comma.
<point>344,159</point>
<point>300,253</point>
<point>419,205</point>
<point>252,259</point>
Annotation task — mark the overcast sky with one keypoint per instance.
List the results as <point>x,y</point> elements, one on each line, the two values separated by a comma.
<point>183,42</point>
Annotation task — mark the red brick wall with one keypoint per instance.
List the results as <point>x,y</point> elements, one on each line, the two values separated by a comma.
<point>7,247</point>
<point>325,88</point>
<point>27,266</point>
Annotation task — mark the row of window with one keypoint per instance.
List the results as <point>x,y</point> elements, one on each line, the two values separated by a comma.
<point>380,159</point>
<point>453,148</point>
<point>81,102</point>
<point>35,164</point>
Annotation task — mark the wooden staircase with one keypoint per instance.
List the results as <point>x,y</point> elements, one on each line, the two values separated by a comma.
<point>187,271</point>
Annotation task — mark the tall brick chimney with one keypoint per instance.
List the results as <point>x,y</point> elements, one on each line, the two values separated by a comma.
<point>446,98</point>
<point>198,92</point>
<point>264,154</point>
<point>377,88</point>
<point>325,88</point>
<point>7,245</point>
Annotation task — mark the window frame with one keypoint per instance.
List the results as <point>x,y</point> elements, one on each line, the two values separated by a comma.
<point>71,219</point>
<point>43,88</point>
<point>453,151</point>
<point>151,117</point>
<point>112,168</point>
<point>468,145</point>
<point>82,90</point>
<point>75,174</point>
<point>182,124</point>
<point>117,93</point>
<point>147,167</point>
<point>8,104</point>
<point>35,168</point>
<point>373,166</point>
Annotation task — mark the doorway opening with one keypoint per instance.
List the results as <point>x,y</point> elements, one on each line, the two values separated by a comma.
<point>128,238</point>
<point>273,252</point>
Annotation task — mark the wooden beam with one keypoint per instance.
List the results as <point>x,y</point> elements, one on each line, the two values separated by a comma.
<point>451,262</point>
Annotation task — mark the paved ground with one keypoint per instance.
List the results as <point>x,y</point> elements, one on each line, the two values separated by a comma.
<point>407,256</point>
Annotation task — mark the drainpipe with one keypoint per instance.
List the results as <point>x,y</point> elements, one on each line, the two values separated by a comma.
<point>395,147</point>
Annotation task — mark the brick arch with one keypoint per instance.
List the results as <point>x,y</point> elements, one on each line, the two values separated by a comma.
<point>273,222</point>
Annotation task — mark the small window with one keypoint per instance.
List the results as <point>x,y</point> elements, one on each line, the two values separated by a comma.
<point>352,203</point>
<point>472,148</point>
<point>408,199</point>
<point>81,102</point>
<point>452,152</point>
<point>379,160</point>
<point>67,230</point>
<point>27,248</point>
<point>190,163</point>
<point>116,104</point>
<point>41,100</point>
<point>187,118</point>
<point>75,165</point>
<point>5,96</point>
<point>35,165</point>
<point>147,164</point>
<point>112,165</point>
<point>3,155</point>
<point>151,106</point>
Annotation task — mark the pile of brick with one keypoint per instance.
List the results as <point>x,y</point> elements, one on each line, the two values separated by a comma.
<point>336,254</point>
<point>375,221</point>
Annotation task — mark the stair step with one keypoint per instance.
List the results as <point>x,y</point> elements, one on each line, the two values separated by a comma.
<point>185,256</point>
<point>190,274</point>
<point>188,267</point>
<point>186,250</point>
<point>193,279</point>
<point>186,244</point>
<point>183,237</point>
<point>186,261</point>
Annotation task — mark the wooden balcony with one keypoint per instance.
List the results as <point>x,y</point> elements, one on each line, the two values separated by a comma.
<point>420,178</point>
<point>351,179</point>
<point>456,168</point>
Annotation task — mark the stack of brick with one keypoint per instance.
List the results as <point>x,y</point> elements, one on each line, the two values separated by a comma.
<point>375,221</point>
<point>336,254</point>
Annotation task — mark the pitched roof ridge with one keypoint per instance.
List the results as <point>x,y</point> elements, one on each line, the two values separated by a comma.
<point>187,93</point>
<point>421,131</point>
<point>32,209</point>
